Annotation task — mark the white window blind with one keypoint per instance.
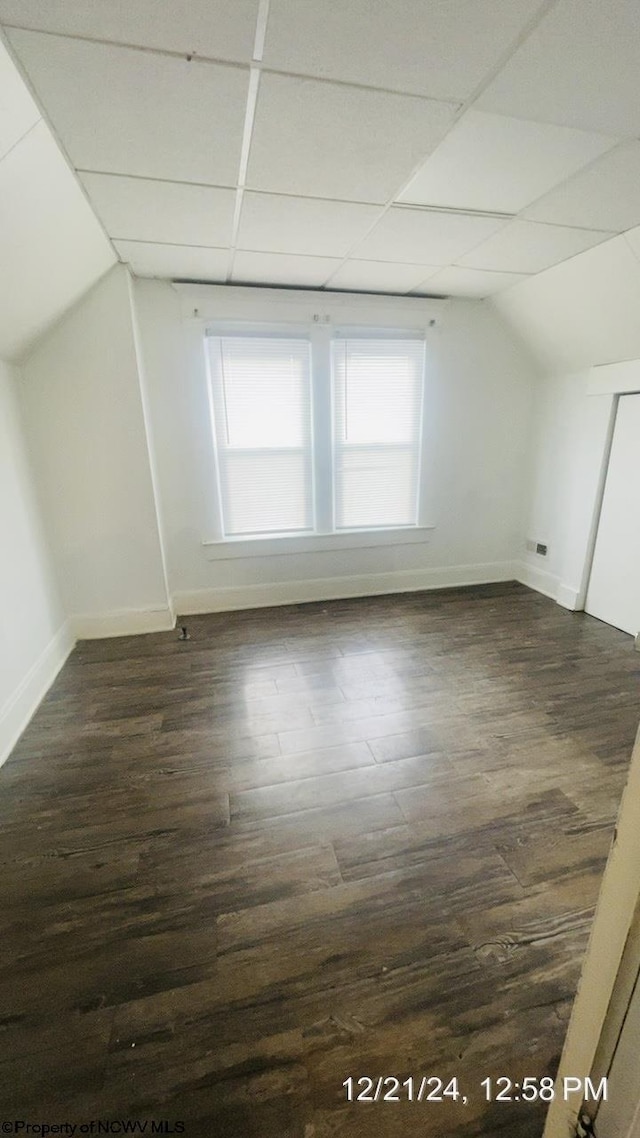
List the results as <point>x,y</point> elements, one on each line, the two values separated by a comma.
<point>377,407</point>
<point>261,394</point>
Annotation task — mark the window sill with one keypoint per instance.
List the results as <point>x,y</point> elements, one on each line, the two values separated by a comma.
<point>239,548</point>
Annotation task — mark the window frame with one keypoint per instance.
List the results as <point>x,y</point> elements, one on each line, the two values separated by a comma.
<point>347,334</point>
<point>217,411</point>
<point>366,317</point>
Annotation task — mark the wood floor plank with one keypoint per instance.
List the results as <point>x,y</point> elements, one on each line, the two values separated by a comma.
<point>353,837</point>
<point>308,764</point>
<point>339,787</point>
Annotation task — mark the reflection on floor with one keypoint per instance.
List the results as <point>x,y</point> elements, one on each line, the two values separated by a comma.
<point>311,843</point>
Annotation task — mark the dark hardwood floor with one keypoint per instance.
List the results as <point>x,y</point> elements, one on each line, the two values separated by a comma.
<point>354,838</point>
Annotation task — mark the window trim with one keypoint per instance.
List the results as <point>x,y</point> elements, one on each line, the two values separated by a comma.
<point>232,548</point>
<point>212,310</point>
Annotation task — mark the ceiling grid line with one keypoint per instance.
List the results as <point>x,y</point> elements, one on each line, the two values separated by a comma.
<point>249,120</point>
<point>411,206</point>
<point>224,61</point>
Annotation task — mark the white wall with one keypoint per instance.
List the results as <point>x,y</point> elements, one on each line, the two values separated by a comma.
<point>478,401</point>
<point>34,637</point>
<point>115,408</point>
<point>576,316</point>
<point>570,442</point>
<point>85,427</point>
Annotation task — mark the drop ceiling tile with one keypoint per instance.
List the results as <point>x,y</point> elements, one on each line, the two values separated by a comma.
<point>425,237</point>
<point>204,27</point>
<point>142,210</point>
<point>380,276</point>
<point>18,111</point>
<point>578,68</point>
<point>279,224</point>
<point>491,162</point>
<point>333,141</point>
<point>282,269</point>
<point>443,49</point>
<point>456,281</point>
<point>174,261</point>
<point>529,247</point>
<point>52,249</point>
<point>134,112</point>
<point>604,196</point>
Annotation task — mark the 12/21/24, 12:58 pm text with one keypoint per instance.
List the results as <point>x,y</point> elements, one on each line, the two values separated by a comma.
<point>432,1089</point>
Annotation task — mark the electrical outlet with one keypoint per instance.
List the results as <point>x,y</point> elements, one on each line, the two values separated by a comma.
<point>541,548</point>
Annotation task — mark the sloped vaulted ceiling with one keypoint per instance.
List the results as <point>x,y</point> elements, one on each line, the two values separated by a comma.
<point>52,248</point>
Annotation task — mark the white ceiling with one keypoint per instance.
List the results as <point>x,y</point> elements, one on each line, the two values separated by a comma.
<point>174,213</point>
<point>188,262</point>
<point>52,248</point>
<point>602,196</point>
<point>529,247</point>
<point>430,146</point>
<point>512,163</point>
<point>18,111</point>
<point>578,68</point>
<point>126,111</point>
<point>279,224</point>
<point>222,29</point>
<point>439,48</point>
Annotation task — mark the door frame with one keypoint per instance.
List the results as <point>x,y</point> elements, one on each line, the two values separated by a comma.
<point>607,381</point>
<point>613,952</point>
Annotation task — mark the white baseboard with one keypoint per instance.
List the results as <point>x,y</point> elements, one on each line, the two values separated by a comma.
<point>121,622</point>
<point>570,598</point>
<point>336,588</point>
<point>21,705</point>
<point>549,585</point>
<point>538,579</point>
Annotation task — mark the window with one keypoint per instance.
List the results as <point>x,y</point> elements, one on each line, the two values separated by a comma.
<point>377,401</point>
<point>295,443</point>
<point>261,391</point>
